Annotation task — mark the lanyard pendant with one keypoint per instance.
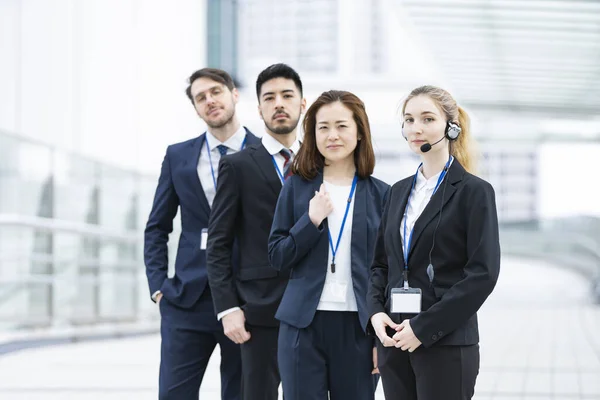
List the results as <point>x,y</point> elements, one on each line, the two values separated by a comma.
<point>334,249</point>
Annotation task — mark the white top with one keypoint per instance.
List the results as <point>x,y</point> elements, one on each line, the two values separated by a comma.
<point>338,292</point>
<point>421,195</point>
<point>274,147</point>
<point>234,144</point>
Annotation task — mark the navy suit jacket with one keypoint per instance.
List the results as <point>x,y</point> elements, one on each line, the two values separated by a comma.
<point>296,244</point>
<point>179,187</point>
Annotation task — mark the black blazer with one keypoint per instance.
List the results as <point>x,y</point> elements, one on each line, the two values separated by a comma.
<point>243,208</point>
<point>179,188</point>
<point>466,258</point>
<point>296,244</point>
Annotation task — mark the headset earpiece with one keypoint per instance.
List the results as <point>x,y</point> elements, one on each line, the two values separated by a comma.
<point>452,131</point>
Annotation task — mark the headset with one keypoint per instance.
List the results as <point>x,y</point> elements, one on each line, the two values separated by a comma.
<point>452,131</point>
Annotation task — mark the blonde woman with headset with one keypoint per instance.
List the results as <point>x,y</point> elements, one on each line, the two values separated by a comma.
<point>437,258</point>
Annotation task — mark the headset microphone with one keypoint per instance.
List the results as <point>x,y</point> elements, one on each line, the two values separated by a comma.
<point>426,147</point>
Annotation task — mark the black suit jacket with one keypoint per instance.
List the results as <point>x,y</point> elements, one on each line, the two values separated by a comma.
<point>179,188</point>
<point>297,245</point>
<point>243,209</point>
<point>466,258</point>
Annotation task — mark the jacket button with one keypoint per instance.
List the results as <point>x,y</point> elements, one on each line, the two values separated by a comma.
<point>434,337</point>
<point>440,333</point>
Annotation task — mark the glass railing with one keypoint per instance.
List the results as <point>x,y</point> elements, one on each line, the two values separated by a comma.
<point>71,238</point>
<point>572,242</point>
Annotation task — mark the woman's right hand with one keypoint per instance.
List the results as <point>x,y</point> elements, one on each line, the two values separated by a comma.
<point>379,322</point>
<point>320,206</point>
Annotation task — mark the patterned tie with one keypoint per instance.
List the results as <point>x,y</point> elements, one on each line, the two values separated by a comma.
<point>222,149</point>
<point>287,155</point>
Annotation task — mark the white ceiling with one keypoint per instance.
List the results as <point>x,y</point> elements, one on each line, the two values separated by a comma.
<point>524,55</point>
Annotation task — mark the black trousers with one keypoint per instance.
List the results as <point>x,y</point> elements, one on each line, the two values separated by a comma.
<point>260,373</point>
<point>435,373</point>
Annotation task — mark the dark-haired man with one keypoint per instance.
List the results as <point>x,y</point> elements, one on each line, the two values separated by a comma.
<point>188,180</point>
<point>247,193</point>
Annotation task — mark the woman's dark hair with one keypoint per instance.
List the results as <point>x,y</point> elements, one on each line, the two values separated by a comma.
<point>310,161</point>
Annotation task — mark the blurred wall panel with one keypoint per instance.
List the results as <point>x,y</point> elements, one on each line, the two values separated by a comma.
<point>105,78</point>
<point>9,64</point>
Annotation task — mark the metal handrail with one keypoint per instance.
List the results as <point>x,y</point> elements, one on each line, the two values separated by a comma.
<point>57,225</point>
<point>51,225</point>
<point>574,245</point>
<point>128,267</point>
<point>39,276</point>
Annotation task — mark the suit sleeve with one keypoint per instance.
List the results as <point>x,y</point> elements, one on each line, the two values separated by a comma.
<point>221,235</point>
<point>481,271</point>
<point>158,228</point>
<point>290,240</point>
<point>378,274</point>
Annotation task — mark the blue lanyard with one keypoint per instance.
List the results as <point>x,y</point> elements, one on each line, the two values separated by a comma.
<point>337,245</point>
<point>278,170</point>
<point>409,240</point>
<point>212,170</point>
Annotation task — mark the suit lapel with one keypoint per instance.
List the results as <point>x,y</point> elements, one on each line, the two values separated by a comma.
<point>359,227</point>
<point>397,213</point>
<point>191,165</point>
<point>197,146</point>
<point>432,209</point>
<point>251,139</point>
<point>263,159</point>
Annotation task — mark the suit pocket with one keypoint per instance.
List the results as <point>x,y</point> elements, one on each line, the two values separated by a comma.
<point>253,273</point>
<point>292,309</point>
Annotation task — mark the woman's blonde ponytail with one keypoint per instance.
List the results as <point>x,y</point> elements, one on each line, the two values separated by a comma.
<point>463,148</point>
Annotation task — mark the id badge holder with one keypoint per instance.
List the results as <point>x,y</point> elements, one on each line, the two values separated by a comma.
<point>204,239</point>
<point>406,301</point>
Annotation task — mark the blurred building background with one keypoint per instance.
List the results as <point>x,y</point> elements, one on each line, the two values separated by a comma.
<point>92,92</point>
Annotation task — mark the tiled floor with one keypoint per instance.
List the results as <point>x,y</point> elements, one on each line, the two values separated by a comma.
<point>540,340</point>
<point>539,336</point>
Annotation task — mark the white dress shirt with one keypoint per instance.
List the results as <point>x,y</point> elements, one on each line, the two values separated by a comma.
<point>419,198</point>
<point>273,147</point>
<point>338,291</point>
<point>234,144</point>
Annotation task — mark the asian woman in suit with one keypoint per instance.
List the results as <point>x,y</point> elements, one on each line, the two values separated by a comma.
<point>324,232</point>
<point>437,258</point>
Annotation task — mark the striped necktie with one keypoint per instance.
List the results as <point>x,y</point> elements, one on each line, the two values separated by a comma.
<point>287,155</point>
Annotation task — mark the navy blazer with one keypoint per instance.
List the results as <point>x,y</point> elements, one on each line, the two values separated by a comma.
<point>466,257</point>
<point>296,244</point>
<point>179,187</point>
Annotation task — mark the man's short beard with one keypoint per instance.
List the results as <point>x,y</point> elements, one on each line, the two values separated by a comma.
<point>217,124</point>
<point>284,129</point>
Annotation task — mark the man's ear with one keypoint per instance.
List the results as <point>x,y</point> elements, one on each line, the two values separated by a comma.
<point>259,111</point>
<point>235,94</point>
